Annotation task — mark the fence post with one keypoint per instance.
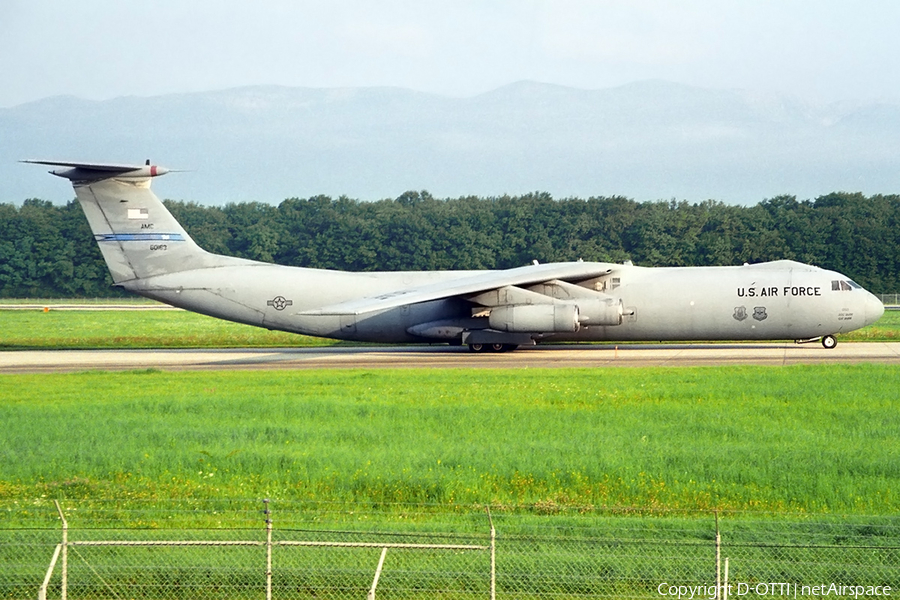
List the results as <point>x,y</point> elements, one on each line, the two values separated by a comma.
<point>64,591</point>
<point>371,595</point>
<point>268,549</point>
<point>42,591</point>
<point>726,580</point>
<point>493,554</point>
<point>718,557</point>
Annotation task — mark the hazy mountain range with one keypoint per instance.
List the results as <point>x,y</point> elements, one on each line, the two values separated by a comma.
<point>648,140</point>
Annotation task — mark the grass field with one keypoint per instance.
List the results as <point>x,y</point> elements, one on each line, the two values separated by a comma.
<point>810,452</point>
<point>25,329</point>
<point>887,329</point>
<point>805,438</point>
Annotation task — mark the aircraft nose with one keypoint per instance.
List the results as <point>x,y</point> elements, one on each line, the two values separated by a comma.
<point>874,308</point>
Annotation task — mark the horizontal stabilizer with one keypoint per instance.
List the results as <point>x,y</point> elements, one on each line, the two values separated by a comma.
<point>86,172</point>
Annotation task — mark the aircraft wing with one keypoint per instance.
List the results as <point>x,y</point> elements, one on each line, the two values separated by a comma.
<point>472,284</point>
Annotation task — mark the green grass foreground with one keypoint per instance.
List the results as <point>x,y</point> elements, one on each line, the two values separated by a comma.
<point>801,438</point>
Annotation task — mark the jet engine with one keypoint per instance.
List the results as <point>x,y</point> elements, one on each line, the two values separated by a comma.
<point>607,311</point>
<point>530,318</point>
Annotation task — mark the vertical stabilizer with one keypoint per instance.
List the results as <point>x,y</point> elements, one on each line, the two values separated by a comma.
<point>138,236</point>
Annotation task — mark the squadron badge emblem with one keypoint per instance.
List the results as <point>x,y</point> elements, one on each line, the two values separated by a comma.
<point>759,313</point>
<point>740,313</point>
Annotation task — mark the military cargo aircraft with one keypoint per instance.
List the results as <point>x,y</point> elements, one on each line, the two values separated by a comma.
<point>149,253</point>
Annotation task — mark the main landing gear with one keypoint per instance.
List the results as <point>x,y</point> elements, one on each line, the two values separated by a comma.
<point>492,347</point>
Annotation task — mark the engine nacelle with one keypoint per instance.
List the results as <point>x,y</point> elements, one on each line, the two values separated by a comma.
<point>607,311</point>
<point>535,318</point>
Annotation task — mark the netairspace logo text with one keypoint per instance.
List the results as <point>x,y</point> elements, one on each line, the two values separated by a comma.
<point>753,590</point>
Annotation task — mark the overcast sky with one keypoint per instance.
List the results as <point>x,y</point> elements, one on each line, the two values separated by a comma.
<point>818,50</point>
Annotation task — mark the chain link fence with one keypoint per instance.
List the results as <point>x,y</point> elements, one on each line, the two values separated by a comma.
<point>890,300</point>
<point>294,550</point>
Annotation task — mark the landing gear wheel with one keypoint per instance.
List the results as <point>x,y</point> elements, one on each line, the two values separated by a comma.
<point>503,347</point>
<point>492,347</point>
<point>828,341</point>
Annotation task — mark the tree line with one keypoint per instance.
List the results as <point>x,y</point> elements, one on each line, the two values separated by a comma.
<point>48,250</point>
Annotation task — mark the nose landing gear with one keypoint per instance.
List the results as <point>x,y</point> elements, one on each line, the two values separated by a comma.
<point>828,341</point>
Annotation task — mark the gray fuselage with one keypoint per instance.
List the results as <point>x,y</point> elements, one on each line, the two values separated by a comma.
<point>779,300</point>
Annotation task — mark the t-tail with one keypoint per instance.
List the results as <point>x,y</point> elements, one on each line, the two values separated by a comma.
<point>138,236</point>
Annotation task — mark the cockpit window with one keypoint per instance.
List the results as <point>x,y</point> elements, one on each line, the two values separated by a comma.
<point>844,286</point>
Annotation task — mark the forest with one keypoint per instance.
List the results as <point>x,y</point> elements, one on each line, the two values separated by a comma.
<point>48,251</point>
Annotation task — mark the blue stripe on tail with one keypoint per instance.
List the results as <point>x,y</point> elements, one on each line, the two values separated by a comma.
<point>139,237</point>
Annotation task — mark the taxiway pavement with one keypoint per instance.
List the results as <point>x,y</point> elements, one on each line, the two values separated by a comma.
<point>371,357</point>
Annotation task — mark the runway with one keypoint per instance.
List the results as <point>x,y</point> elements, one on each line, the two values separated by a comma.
<point>419,357</point>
